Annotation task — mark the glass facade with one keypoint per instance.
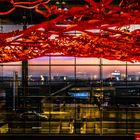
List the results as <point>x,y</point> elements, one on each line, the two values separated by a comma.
<point>70,95</point>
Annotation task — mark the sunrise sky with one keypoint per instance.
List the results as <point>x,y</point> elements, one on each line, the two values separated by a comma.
<point>40,66</point>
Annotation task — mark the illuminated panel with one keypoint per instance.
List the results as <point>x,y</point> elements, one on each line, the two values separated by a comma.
<point>79,95</point>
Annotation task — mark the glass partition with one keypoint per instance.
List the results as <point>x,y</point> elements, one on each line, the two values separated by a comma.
<point>68,95</point>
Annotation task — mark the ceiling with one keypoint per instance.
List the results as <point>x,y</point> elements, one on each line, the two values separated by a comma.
<point>32,17</point>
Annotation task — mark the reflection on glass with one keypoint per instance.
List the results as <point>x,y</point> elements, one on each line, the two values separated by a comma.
<point>87,72</point>
<point>62,72</point>
<point>133,73</point>
<point>9,68</point>
<point>81,60</point>
<point>62,60</point>
<point>116,72</point>
<point>37,71</point>
<point>38,75</point>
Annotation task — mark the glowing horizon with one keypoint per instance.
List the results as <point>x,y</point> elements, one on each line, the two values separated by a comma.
<point>65,66</point>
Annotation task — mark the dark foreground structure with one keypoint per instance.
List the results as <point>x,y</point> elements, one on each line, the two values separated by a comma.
<point>68,137</point>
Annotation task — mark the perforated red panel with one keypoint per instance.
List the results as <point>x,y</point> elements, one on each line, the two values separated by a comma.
<point>110,40</point>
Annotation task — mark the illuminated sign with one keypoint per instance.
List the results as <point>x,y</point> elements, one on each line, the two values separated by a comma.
<point>79,94</point>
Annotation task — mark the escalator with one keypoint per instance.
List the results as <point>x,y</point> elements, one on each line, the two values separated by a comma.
<point>61,91</point>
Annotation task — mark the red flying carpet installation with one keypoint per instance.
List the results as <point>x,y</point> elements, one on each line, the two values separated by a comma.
<point>113,40</point>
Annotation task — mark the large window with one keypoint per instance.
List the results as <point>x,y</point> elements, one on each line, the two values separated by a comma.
<point>70,95</point>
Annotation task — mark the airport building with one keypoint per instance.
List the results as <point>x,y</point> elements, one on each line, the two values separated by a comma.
<point>46,92</point>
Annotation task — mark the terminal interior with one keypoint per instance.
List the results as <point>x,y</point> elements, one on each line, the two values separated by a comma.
<point>66,94</point>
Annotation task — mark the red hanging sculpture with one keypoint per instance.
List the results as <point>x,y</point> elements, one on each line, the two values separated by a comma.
<point>112,40</point>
